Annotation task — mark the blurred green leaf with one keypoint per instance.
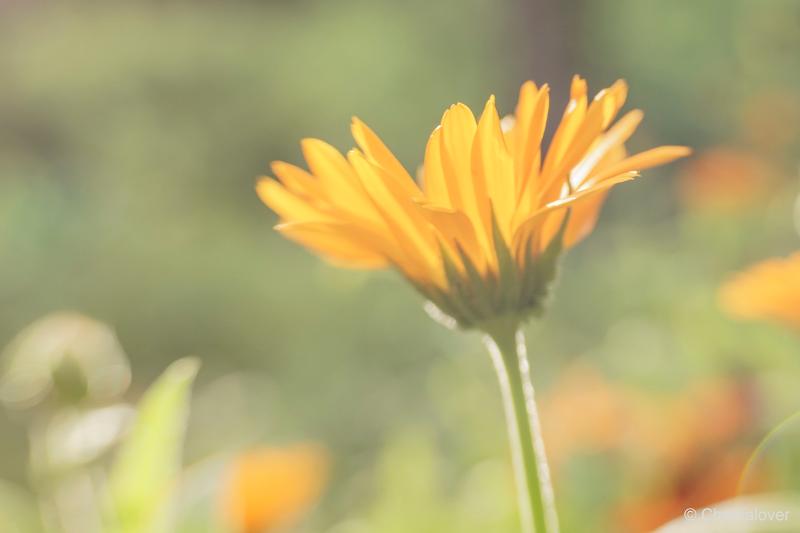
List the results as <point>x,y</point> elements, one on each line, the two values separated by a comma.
<point>777,458</point>
<point>196,509</point>
<point>144,473</point>
<point>18,513</point>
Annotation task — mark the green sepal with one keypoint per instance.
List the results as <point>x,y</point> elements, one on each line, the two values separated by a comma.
<point>509,273</point>
<point>541,271</point>
<point>518,290</point>
<point>480,296</point>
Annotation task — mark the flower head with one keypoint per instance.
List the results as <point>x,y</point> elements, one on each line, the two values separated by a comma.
<point>479,236</point>
<point>769,290</point>
<point>268,488</point>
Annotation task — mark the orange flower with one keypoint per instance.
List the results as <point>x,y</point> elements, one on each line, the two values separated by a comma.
<point>724,179</point>
<point>583,412</point>
<point>693,440</point>
<point>711,479</point>
<point>696,441</point>
<point>769,290</point>
<point>270,488</point>
<point>480,236</point>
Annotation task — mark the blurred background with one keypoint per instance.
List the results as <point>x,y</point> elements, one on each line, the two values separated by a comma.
<point>131,136</point>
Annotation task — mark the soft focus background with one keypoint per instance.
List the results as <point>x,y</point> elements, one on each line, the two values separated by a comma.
<point>131,136</point>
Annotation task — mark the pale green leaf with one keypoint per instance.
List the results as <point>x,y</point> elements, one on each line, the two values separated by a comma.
<point>145,471</point>
<point>18,512</point>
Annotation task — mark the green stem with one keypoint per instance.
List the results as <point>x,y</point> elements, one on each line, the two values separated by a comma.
<point>507,347</point>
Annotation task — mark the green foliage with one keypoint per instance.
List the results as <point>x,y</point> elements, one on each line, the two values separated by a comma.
<point>481,499</point>
<point>777,457</point>
<point>18,511</point>
<point>146,469</point>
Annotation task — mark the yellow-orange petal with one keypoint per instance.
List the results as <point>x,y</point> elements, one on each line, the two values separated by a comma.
<point>296,179</point>
<point>613,139</point>
<point>326,163</point>
<point>467,191</point>
<point>457,232</point>
<point>400,214</point>
<point>617,94</point>
<point>525,105</point>
<point>339,243</point>
<point>379,154</point>
<point>288,205</point>
<point>530,121</point>
<point>643,160</point>
<point>536,222</point>
<point>338,181</point>
<point>436,187</point>
<point>570,122</point>
<point>584,209</point>
<point>585,135</point>
<point>583,218</point>
<point>270,488</point>
<point>493,165</point>
<point>531,150</point>
<point>458,131</point>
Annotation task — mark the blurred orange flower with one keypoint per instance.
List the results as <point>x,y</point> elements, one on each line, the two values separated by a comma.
<point>696,442</point>
<point>769,290</point>
<point>270,488</point>
<point>714,477</point>
<point>691,441</point>
<point>724,179</point>
<point>584,412</point>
